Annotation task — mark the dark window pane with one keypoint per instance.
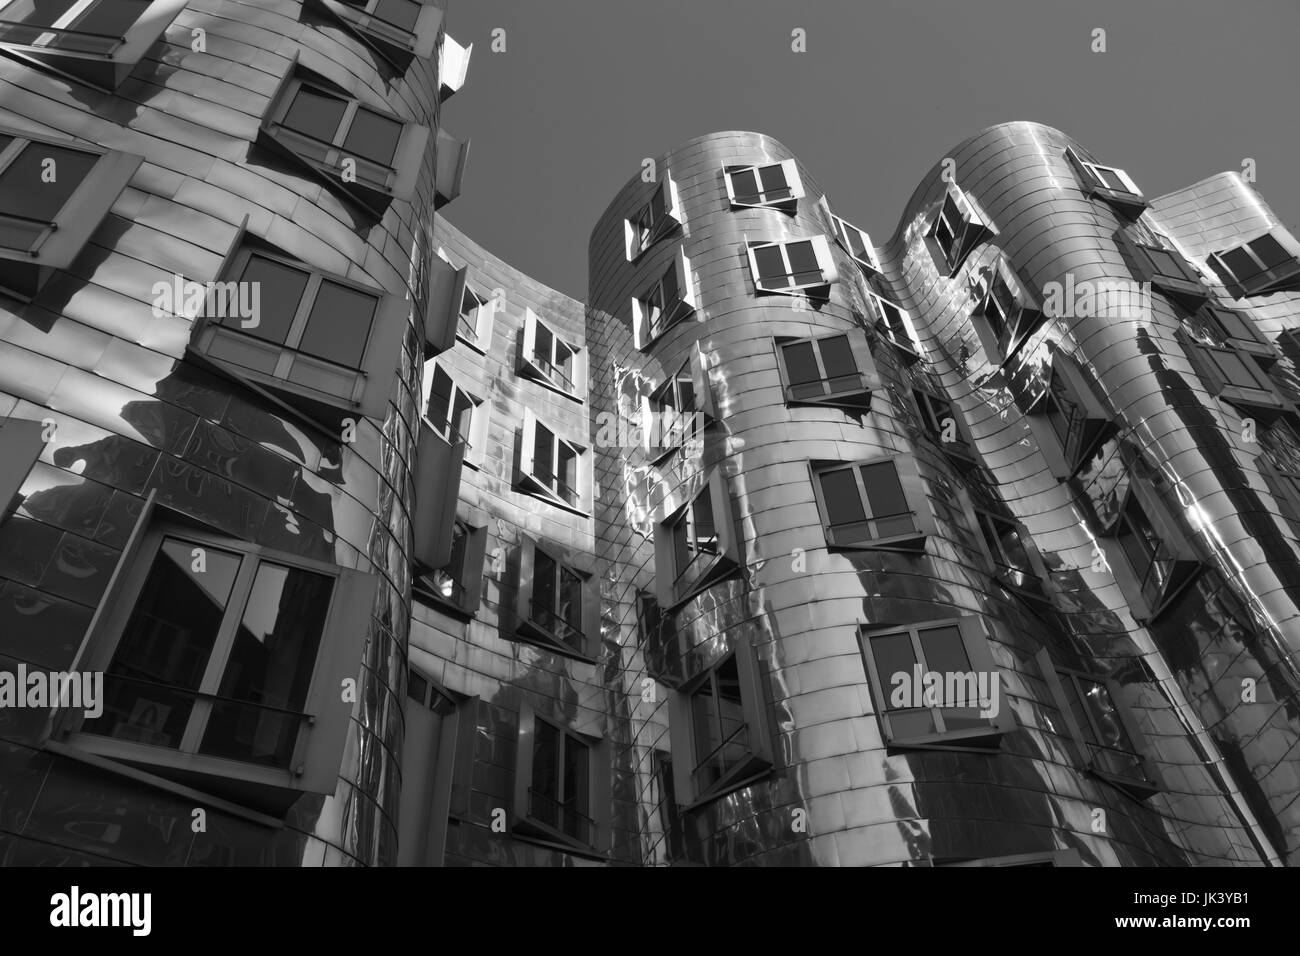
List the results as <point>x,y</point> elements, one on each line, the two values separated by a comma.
<point>1233,325</point>
<point>545,803</point>
<point>803,262</point>
<point>837,357</point>
<point>280,290</point>
<point>545,587</point>
<point>439,410</point>
<point>544,455</point>
<point>801,364</point>
<point>1078,709</point>
<point>315,114</point>
<point>840,493</point>
<point>1241,264</point>
<point>417,688</point>
<point>1110,729</point>
<point>24,193</point>
<point>884,491</point>
<point>1165,263</point>
<point>943,650</point>
<point>745,185</point>
<point>893,654</point>
<point>570,609</point>
<point>774,184</point>
<point>373,137</point>
<point>462,414</point>
<point>400,13</point>
<point>705,537</point>
<point>577,792</point>
<point>685,393</point>
<point>771,266</point>
<point>1110,179</point>
<point>111,17</point>
<point>339,324</point>
<point>1271,252</point>
<point>270,667</point>
<point>1234,369</point>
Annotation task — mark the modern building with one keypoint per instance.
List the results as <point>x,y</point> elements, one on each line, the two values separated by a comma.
<point>388,554</point>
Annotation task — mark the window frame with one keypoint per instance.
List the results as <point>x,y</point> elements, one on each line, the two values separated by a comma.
<point>759,758</point>
<point>527,481</point>
<point>1184,562</point>
<point>398,46</point>
<point>1140,789</point>
<point>453,66</point>
<point>962,450</point>
<point>645,331</point>
<point>475,437</point>
<point>1254,344</point>
<point>1187,288</point>
<point>1267,279</point>
<point>1263,396</point>
<point>318,750</point>
<point>1129,201</point>
<point>1031,582</point>
<point>105,70</point>
<point>599,792</point>
<point>903,339</point>
<point>674,585</point>
<point>975,644</point>
<point>853,400</point>
<point>1086,437</point>
<point>1002,334</point>
<point>793,182</point>
<point>909,479</point>
<point>450,158</point>
<point>665,195</point>
<point>25,271</point>
<point>686,426</point>
<point>467,580</point>
<point>969,229</point>
<point>586,644</point>
<point>534,368</point>
<point>840,229</point>
<point>821,252</point>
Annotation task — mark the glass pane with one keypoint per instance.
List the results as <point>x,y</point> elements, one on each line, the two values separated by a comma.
<point>449,580</point>
<point>373,136</point>
<point>943,650</point>
<point>280,290</point>
<point>111,17</point>
<point>1110,179</point>
<point>685,393</point>
<point>577,789</point>
<point>1078,709</point>
<point>893,654</point>
<point>315,114</point>
<point>439,408</point>
<point>681,544</point>
<point>843,502</point>
<point>774,184</point>
<point>545,589</point>
<point>24,193</point>
<point>567,474</point>
<point>571,600</point>
<point>165,645</point>
<point>745,185</point>
<point>884,491</point>
<point>837,358</point>
<point>41,13</point>
<point>803,262</point>
<point>1271,252</point>
<point>1241,264</point>
<point>400,13</point>
<point>339,324</point>
<point>705,535</point>
<point>462,415</point>
<point>545,803</point>
<point>417,688</point>
<point>771,267</point>
<point>1234,369</point>
<point>270,667</point>
<point>1232,325</point>
<point>801,367</point>
<point>544,455</point>
<point>731,713</point>
<point>1110,728</point>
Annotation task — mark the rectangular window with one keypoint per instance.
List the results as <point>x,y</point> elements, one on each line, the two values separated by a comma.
<point>653,221</point>
<point>1012,553</point>
<point>546,358</point>
<point>961,704</point>
<point>1236,377</point>
<point>943,425</point>
<point>775,186</point>
<point>551,466</point>
<point>1110,184</point>
<point>801,266</point>
<point>449,408</point>
<point>367,154</point>
<point>558,603</point>
<point>322,342</point>
<point>1237,330</point>
<point>872,504</point>
<point>467,320</point>
<point>677,412</point>
<point>720,732</point>
<point>696,544</point>
<point>856,243</point>
<point>220,656</point>
<point>1158,559</point>
<point>667,301</point>
<point>457,585</point>
<point>1002,320</point>
<point>562,784</point>
<point>894,323</point>
<point>834,370</point>
<point>1262,265</point>
<point>1069,422</point>
<point>1160,263</point>
<point>399,30</point>
<point>956,230</point>
<point>44,224</point>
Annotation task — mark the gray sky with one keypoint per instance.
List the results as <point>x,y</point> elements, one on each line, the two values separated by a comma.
<point>586,88</point>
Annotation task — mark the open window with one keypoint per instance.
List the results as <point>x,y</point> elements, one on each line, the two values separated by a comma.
<point>21,441</point>
<point>53,196</point>
<point>1238,331</point>
<point>473,311</point>
<point>95,41</point>
<point>457,586</point>
<point>398,30</point>
<point>322,343</point>
<point>878,504</point>
<point>1266,264</point>
<point>1166,269</point>
<point>1108,184</point>
<point>834,370</point>
<point>1154,559</point>
<point>696,544</point>
<point>720,733</point>
<point>549,360</point>
<point>680,409</point>
<point>1100,729</point>
<point>1069,422</point>
<point>653,221</point>
<point>796,267</point>
<point>656,635</point>
<point>453,66</point>
<point>944,426</point>
<point>893,322</point>
<point>1237,378</point>
<point>451,156</point>
<point>363,152</point>
<point>454,413</point>
<point>437,485</point>
<point>958,227</point>
<point>1004,314</point>
<point>557,601</point>
<point>668,299</point>
<point>1011,553</point>
<point>775,186</point>
<point>935,685</point>
<point>562,784</point>
<point>222,663</point>
<point>553,468</point>
<point>855,242</point>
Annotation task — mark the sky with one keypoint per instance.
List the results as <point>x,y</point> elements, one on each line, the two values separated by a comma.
<point>584,89</point>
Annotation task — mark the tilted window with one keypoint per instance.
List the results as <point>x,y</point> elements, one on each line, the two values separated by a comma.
<point>1238,330</point>
<point>680,409</point>
<point>361,151</point>
<point>944,426</point>
<point>224,659</point>
<point>399,30</point>
<point>696,544</point>
<point>96,41</point>
<point>1103,735</point>
<point>547,359</point>
<point>1012,553</point>
<point>455,414</point>
<point>719,728</point>
<point>1166,269</point>
<point>1236,377</point>
<point>796,267</point>
<point>935,685</point>
<point>1070,423</point>
<point>553,468</point>
<point>53,195</point>
<point>653,221</point>
<point>1155,558</point>
<point>1003,317</point>
<point>557,602</point>
<point>458,585</point>
<point>892,321</point>
<point>835,370</point>
<point>956,230</point>
<point>562,784</point>
<point>1112,185</point>
<point>322,343</point>
<point>669,299</point>
<point>856,243</point>
<point>776,186</point>
<point>875,504</point>
<point>1267,263</point>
